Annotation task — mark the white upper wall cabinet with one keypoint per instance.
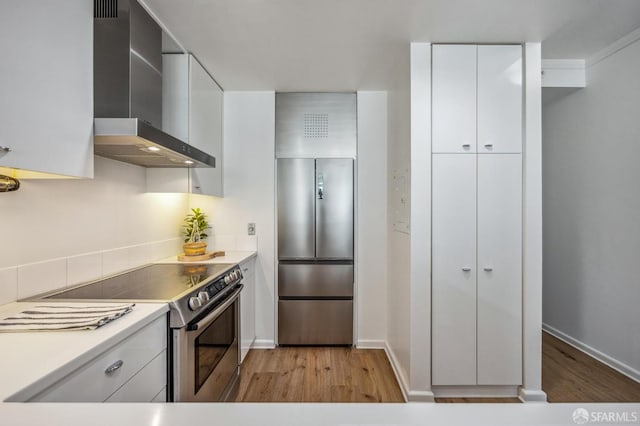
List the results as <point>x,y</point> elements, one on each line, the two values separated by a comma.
<point>500,99</point>
<point>205,128</point>
<point>46,87</point>
<point>477,98</point>
<point>454,98</point>
<point>192,110</point>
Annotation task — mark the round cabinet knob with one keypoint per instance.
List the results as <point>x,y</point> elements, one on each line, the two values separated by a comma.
<point>194,303</point>
<point>203,296</point>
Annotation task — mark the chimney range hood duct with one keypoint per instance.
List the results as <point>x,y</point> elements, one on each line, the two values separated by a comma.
<point>127,64</point>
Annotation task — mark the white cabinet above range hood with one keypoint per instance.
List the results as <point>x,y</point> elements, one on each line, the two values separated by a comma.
<point>128,91</point>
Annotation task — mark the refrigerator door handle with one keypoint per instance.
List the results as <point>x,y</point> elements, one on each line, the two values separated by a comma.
<point>320,187</point>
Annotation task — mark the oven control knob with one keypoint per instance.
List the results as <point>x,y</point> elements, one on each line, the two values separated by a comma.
<point>227,279</point>
<point>203,296</point>
<point>194,303</point>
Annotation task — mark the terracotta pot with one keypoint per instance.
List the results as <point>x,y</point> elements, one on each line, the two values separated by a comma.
<point>194,249</point>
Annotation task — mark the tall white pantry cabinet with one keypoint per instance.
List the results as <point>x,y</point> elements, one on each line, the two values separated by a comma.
<point>477,215</point>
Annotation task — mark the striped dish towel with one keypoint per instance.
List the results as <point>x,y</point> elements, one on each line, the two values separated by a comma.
<point>60,317</point>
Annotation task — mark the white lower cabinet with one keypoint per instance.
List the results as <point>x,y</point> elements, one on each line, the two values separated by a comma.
<point>247,307</point>
<point>477,269</point>
<point>134,370</point>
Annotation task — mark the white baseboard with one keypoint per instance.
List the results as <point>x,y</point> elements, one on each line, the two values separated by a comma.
<point>532,395</point>
<point>476,391</point>
<point>619,366</point>
<point>404,386</point>
<point>421,396</point>
<point>263,344</point>
<point>370,344</point>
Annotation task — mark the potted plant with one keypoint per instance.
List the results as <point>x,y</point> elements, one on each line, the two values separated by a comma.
<point>195,231</point>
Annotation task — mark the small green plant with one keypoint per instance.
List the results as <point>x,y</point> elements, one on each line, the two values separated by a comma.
<point>195,226</point>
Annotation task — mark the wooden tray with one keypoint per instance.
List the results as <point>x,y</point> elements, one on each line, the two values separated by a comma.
<point>207,256</point>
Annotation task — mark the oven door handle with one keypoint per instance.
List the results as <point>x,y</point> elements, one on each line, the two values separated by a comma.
<point>217,311</point>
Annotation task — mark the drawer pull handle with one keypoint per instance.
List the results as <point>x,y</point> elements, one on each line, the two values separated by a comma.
<point>466,146</point>
<point>488,269</point>
<point>466,269</point>
<point>114,367</point>
<point>245,270</point>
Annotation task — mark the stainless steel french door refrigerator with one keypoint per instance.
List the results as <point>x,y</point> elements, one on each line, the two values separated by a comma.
<point>315,251</point>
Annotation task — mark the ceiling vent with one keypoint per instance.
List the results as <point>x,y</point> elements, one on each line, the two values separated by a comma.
<point>316,126</point>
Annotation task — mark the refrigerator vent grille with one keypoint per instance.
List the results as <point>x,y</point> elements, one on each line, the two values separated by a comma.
<point>105,8</point>
<point>316,125</point>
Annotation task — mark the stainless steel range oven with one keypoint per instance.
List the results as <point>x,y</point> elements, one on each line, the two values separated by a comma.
<point>204,332</point>
<point>206,354</point>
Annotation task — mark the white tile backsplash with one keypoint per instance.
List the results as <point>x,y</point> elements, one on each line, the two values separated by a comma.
<point>139,255</point>
<point>163,249</point>
<point>114,261</point>
<point>28,280</point>
<point>41,277</point>
<point>8,285</point>
<point>83,268</point>
<point>224,242</point>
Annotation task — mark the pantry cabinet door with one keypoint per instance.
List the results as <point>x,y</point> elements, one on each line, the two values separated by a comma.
<point>499,269</point>
<point>500,99</point>
<point>454,98</point>
<point>454,269</point>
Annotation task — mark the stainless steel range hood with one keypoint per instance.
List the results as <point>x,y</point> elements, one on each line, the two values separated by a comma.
<point>127,63</point>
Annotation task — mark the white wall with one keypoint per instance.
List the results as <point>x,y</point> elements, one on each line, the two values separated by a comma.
<point>249,195</point>
<point>591,207</point>
<point>371,231</point>
<point>399,243</point>
<point>111,217</point>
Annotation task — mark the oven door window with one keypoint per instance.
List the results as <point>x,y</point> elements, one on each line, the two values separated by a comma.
<point>213,343</point>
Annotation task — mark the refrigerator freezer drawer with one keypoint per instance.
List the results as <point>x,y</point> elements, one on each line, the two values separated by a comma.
<point>315,280</point>
<point>315,322</point>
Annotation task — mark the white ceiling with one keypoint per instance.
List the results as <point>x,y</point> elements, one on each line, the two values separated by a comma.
<point>324,45</point>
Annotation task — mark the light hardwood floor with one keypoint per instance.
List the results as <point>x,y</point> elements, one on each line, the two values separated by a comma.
<point>569,375</point>
<point>336,374</point>
<point>318,374</point>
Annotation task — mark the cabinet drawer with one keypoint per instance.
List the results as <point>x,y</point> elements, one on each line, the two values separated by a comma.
<point>90,383</point>
<point>145,385</point>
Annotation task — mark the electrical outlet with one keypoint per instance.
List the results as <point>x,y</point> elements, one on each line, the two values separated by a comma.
<point>251,228</point>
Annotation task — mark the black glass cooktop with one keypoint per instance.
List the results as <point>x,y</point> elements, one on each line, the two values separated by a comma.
<point>153,282</point>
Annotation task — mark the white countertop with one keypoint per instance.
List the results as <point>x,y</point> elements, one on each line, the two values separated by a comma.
<point>292,414</point>
<point>32,361</point>
<point>229,257</point>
